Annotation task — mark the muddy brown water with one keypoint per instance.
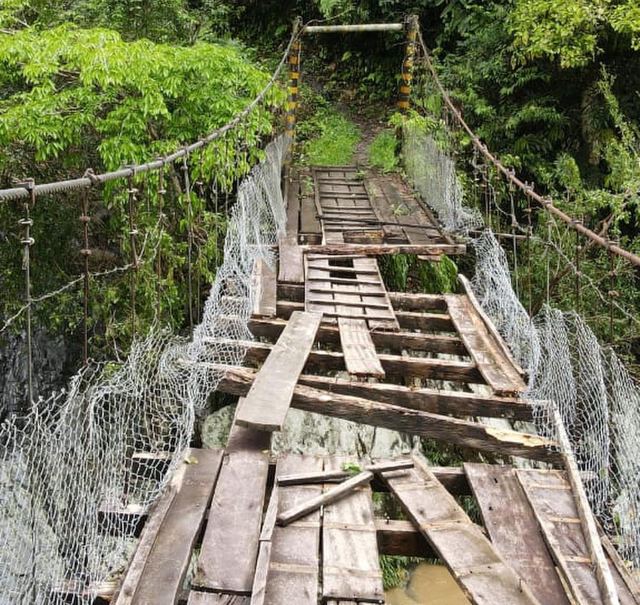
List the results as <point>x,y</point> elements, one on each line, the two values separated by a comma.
<point>428,585</point>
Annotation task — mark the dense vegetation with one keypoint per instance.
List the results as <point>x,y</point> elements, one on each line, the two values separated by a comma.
<point>551,86</point>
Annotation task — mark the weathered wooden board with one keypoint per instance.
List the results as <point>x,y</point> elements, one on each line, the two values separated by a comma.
<point>393,365</point>
<point>396,341</point>
<point>238,380</point>
<point>358,349</point>
<point>267,403</point>
<point>497,369</point>
<point>479,570</point>
<point>230,543</point>
<point>350,562</point>
<point>310,228</point>
<point>514,531</point>
<point>293,205</point>
<point>165,549</point>
<point>347,286</point>
<point>211,598</point>
<point>290,268</point>
<point>552,500</point>
<point>294,559</point>
<point>263,285</point>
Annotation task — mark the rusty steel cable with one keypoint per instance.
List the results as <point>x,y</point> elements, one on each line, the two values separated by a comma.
<point>22,192</point>
<point>545,202</point>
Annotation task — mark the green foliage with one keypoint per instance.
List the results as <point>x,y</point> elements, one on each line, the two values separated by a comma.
<point>332,139</point>
<point>395,570</point>
<point>382,151</point>
<point>83,97</point>
<point>547,28</point>
<point>405,272</point>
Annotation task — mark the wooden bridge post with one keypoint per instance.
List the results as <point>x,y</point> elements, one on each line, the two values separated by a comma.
<point>404,100</point>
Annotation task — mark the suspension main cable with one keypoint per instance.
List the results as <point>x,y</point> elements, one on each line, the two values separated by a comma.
<point>545,202</point>
<point>17,193</point>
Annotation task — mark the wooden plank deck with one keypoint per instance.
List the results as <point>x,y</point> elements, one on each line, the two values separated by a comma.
<point>484,576</point>
<point>519,541</point>
<point>347,286</point>
<point>230,543</point>
<point>263,286</point>
<point>160,564</point>
<point>553,502</point>
<point>494,366</point>
<point>360,355</point>
<point>267,403</point>
<point>350,565</point>
<point>294,564</point>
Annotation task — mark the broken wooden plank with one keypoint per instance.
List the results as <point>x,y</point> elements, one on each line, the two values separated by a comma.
<point>230,543</point>
<point>290,267</point>
<point>263,287</point>
<point>474,563</point>
<point>358,349</point>
<point>494,366</point>
<point>519,541</point>
<point>497,337</point>
<point>237,381</point>
<point>267,403</point>
<point>294,564</point>
<point>164,552</point>
<point>350,560</point>
<point>339,474</point>
<point>332,495</point>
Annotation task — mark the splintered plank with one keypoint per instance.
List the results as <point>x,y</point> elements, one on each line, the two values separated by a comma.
<point>290,267</point>
<point>552,500</point>
<point>267,403</point>
<point>500,497</point>
<point>160,564</point>
<point>360,355</point>
<point>496,369</point>
<point>473,561</point>
<point>230,543</point>
<point>293,573</point>
<point>263,285</point>
<point>350,561</point>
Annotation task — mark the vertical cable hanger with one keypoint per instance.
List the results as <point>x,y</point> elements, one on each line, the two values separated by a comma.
<point>26,222</point>
<point>133,233</point>
<point>85,253</point>
<point>187,194</point>
<point>161,222</point>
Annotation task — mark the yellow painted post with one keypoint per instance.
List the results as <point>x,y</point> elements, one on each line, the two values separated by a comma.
<point>294,82</point>
<point>404,100</point>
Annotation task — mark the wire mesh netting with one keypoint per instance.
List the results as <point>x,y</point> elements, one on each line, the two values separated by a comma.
<point>111,441</point>
<point>569,370</point>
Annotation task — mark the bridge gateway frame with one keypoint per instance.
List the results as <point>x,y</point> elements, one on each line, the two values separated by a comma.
<point>410,26</point>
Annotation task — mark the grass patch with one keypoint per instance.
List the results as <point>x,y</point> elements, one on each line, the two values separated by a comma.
<point>331,138</point>
<point>382,151</point>
<point>404,272</point>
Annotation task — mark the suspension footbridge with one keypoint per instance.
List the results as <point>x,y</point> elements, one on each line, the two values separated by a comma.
<point>105,499</point>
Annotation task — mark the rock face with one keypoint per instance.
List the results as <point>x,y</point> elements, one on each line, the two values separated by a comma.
<point>53,362</point>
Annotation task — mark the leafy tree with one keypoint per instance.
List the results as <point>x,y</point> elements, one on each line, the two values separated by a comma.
<point>84,97</point>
